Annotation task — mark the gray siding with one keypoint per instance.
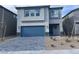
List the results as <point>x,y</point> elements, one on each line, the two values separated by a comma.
<point>59,14</point>
<point>9,20</point>
<point>0,14</point>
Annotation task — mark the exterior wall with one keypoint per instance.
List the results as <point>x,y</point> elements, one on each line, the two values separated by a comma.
<point>76,20</point>
<point>58,20</point>
<point>19,17</point>
<point>0,14</point>
<point>46,17</point>
<point>33,18</point>
<point>38,23</point>
<point>61,26</point>
<point>55,21</point>
<point>76,28</point>
<point>76,16</point>
<point>9,19</point>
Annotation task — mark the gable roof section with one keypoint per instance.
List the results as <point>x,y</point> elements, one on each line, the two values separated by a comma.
<point>71,12</point>
<point>7,10</point>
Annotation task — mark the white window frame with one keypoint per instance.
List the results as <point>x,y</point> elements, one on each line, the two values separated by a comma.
<point>27,13</point>
<point>37,12</point>
<point>30,11</point>
<point>55,13</point>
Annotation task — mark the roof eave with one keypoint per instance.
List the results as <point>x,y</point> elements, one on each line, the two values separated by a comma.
<point>31,7</point>
<point>57,7</point>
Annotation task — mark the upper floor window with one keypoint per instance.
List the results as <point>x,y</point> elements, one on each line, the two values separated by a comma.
<point>26,13</point>
<point>54,13</point>
<point>37,12</point>
<point>32,12</point>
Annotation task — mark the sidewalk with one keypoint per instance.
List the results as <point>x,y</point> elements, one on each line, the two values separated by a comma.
<point>73,51</point>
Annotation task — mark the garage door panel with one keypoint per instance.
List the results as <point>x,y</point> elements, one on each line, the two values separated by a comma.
<point>32,31</point>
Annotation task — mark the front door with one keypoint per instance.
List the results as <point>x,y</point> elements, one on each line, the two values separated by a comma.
<point>54,30</point>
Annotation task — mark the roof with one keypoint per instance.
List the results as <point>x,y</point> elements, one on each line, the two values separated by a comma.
<point>7,10</point>
<point>41,6</point>
<point>56,6</point>
<point>71,12</point>
<point>31,6</point>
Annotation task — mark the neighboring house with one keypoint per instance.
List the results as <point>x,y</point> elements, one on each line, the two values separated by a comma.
<point>73,20</point>
<point>8,22</point>
<point>39,21</point>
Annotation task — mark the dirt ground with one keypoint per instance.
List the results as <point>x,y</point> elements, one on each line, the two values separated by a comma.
<point>56,43</point>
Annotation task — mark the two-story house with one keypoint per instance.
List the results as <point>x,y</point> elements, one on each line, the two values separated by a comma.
<point>39,21</point>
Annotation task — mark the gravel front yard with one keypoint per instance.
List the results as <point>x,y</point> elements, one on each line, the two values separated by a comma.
<point>62,43</point>
<point>22,44</point>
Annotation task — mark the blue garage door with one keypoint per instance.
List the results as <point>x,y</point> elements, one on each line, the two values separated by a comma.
<point>27,31</point>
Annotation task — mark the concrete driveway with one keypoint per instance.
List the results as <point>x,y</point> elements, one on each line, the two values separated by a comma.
<point>22,44</point>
